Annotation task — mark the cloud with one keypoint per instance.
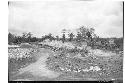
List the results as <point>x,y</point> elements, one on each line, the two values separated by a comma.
<point>52,16</point>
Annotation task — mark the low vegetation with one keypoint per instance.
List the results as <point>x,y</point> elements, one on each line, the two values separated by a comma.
<point>80,56</point>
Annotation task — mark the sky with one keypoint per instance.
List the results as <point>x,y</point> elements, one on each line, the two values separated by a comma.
<point>43,17</point>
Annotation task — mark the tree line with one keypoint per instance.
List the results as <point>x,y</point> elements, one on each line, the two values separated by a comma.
<point>83,34</point>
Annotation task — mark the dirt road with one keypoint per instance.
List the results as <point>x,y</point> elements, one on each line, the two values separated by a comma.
<point>39,69</point>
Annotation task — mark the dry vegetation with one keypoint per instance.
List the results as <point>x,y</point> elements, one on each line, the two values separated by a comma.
<point>73,63</point>
<point>84,57</point>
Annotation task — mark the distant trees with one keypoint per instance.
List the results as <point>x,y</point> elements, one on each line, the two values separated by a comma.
<point>63,38</point>
<point>84,34</point>
<point>119,43</point>
<point>79,37</point>
<point>11,38</point>
<point>63,35</point>
<point>26,37</point>
<point>57,37</point>
<point>49,36</point>
<point>71,35</point>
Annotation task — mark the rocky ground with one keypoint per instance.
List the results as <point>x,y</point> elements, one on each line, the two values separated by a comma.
<point>48,64</point>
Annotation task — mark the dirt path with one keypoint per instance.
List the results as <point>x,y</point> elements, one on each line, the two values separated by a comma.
<point>39,67</point>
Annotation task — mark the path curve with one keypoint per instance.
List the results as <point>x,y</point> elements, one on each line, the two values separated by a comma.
<point>39,67</point>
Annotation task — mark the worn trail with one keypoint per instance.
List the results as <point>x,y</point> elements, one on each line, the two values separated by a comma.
<point>39,67</point>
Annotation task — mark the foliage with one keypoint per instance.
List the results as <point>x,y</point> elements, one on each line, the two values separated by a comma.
<point>49,36</point>
<point>63,35</point>
<point>57,37</point>
<point>26,37</point>
<point>71,35</point>
<point>78,37</point>
<point>84,34</point>
<point>11,38</point>
<point>63,38</point>
<point>119,43</point>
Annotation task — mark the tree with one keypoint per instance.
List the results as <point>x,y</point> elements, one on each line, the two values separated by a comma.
<point>71,35</point>
<point>92,34</point>
<point>81,33</point>
<point>87,33</point>
<point>63,35</point>
<point>26,37</point>
<point>11,38</point>
<point>33,39</point>
<point>50,37</point>
<point>57,37</point>
<point>83,30</point>
<point>29,35</point>
<point>79,37</point>
<point>63,38</point>
<point>89,36</point>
